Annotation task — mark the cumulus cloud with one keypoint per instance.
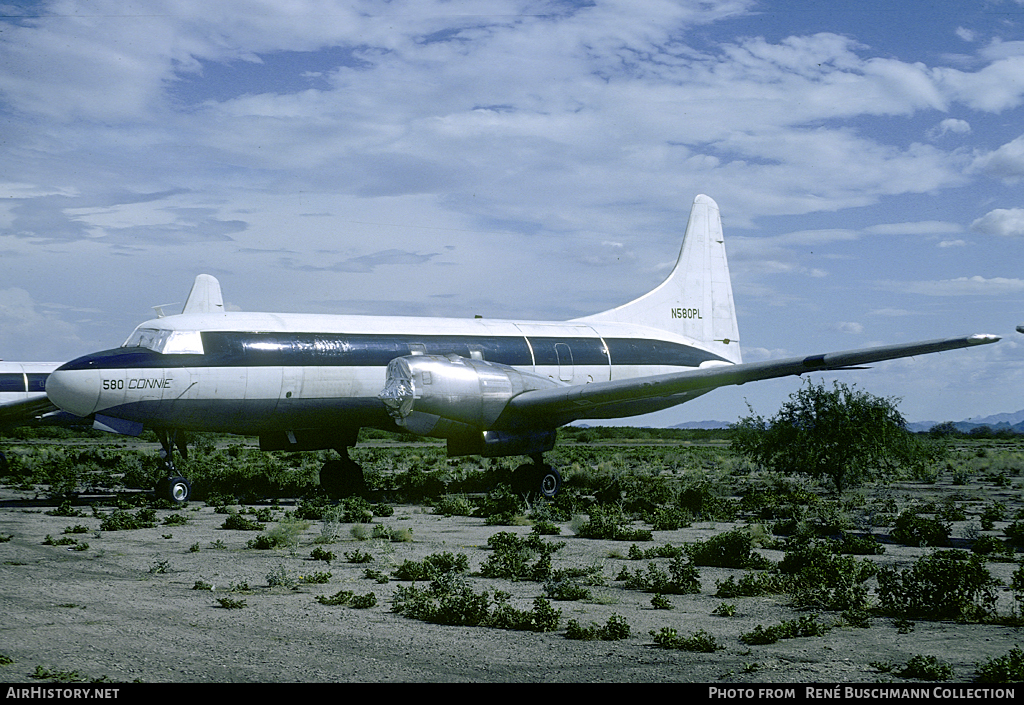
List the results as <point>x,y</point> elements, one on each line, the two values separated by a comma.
<point>1008,222</point>
<point>950,126</point>
<point>1006,163</point>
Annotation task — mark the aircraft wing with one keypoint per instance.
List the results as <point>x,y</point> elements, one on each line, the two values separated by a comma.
<point>25,411</point>
<point>601,399</point>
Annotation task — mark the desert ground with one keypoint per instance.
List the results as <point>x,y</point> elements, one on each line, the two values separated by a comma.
<point>125,605</point>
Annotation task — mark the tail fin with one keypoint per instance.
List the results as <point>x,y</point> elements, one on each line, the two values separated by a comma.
<point>696,299</point>
<point>205,296</point>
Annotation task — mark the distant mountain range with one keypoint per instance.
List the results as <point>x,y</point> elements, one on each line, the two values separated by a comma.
<point>1014,421</point>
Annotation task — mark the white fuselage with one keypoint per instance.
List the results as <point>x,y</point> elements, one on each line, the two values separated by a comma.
<point>254,373</point>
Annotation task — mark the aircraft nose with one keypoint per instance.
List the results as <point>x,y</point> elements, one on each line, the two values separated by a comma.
<point>74,391</point>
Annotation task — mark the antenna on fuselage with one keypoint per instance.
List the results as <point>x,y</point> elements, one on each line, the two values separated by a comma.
<point>160,309</point>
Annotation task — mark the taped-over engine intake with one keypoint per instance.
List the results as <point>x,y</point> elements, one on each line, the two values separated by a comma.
<point>455,398</point>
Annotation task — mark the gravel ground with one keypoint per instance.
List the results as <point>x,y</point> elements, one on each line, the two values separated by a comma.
<point>124,609</point>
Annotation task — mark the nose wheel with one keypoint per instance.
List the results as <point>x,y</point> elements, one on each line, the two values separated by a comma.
<point>173,487</point>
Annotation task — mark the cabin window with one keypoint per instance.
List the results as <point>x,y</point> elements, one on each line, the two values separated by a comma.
<point>168,342</point>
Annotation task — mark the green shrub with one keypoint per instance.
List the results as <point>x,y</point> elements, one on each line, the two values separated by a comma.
<point>731,549</point>
<point>912,529</point>
<point>789,629</point>
<point>928,668</point>
<point>449,600</point>
<point>610,522</point>
<point>513,557</point>
<point>1008,668</point>
<point>702,502</point>
<point>682,578</point>
<point>823,579</point>
<point>944,585</point>
<point>616,629</point>
<point>754,585</point>
<point>120,520</point>
<point>699,641</point>
<point>238,522</point>
<point>432,566</point>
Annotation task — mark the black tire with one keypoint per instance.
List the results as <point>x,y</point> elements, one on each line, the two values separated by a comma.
<point>174,489</point>
<point>341,478</point>
<point>537,480</point>
<point>549,481</point>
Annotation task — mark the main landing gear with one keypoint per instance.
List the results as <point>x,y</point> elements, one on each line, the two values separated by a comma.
<point>343,477</point>
<point>173,487</point>
<point>537,478</point>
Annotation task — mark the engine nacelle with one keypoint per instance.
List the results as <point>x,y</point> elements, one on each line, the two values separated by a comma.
<point>453,397</point>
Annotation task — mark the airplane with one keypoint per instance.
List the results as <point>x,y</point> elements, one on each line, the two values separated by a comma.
<point>23,399</point>
<point>488,387</point>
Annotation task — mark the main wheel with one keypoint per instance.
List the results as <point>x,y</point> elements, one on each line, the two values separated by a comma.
<point>549,480</point>
<point>533,479</point>
<point>342,478</point>
<point>176,489</point>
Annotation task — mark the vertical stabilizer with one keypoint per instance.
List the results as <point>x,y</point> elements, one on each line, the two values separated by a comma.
<point>696,299</point>
<point>205,296</point>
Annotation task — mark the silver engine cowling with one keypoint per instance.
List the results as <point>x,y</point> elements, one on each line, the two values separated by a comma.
<point>459,399</point>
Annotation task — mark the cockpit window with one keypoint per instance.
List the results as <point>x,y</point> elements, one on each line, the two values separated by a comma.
<point>168,342</point>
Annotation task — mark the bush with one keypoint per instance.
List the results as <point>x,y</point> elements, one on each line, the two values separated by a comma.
<point>823,579</point>
<point>1001,669</point>
<point>449,600</point>
<point>944,585</point>
<point>616,629</point>
<point>912,529</point>
<point>432,566</point>
<point>682,579</point>
<point>790,629</point>
<point>700,641</point>
<point>120,520</point>
<point>731,549</point>
<point>609,522</point>
<point>513,555</point>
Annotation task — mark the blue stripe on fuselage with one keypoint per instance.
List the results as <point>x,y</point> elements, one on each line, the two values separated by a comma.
<point>243,349</point>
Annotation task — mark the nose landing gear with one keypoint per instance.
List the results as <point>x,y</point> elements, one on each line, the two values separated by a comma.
<point>173,487</point>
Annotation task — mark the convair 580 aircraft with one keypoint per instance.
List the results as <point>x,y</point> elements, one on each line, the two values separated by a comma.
<point>489,387</point>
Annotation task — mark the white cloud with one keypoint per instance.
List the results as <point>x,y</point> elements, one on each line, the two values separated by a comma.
<point>22,322</point>
<point>950,126</point>
<point>1008,222</point>
<point>849,327</point>
<point>929,227</point>
<point>1006,163</point>
<point>963,286</point>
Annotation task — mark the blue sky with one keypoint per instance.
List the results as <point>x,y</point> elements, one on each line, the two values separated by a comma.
<point>526,159</point>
